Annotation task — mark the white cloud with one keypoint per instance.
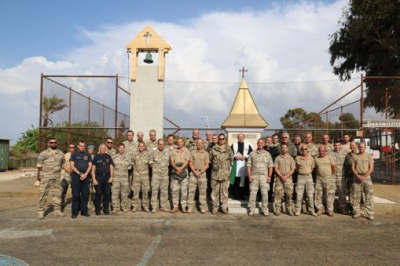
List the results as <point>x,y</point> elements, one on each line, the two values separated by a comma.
<point>287,42</point>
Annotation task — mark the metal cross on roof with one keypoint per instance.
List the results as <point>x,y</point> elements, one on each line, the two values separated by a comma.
<point>243,70</point>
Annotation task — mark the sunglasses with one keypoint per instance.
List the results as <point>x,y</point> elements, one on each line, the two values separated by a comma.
<point>109,142</point>
<point>72,147</point>
<point>221,139</point>
<point>53,142</point>
<point>304,149</point>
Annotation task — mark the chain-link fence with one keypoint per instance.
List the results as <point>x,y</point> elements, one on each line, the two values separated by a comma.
<point>69,115</point>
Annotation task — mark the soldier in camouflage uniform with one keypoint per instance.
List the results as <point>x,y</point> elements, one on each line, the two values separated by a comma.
<point>325,185</point>
<point>180,158</point>
<point>312,147</point>
<point>110,150</point>
<point>130,150</point>
<point>305,165</point>
<point>362,167</point>
<point>50,162</point>
<point>199,162</point>
<point>327,144</point>
<point>170,143</point>
<point>339,156</point>
<point>190,144</point>
<point>221,157</point>
<point>141,180</point>
<point>159,162</point>
<point>208,141</point>
<point>259,168</point>
<point>348,171</point>
<point>151,144</point>
<point>284,169</point>
<point>120,186</point>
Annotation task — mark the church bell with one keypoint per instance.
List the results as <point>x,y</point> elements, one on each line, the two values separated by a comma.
<point>148,59</point>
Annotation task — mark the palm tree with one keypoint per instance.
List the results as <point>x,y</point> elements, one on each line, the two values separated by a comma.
<point>50,105</point>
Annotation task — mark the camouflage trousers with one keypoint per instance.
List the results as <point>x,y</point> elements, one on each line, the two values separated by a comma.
<point>201,183</point>
<point>305,182</point>
<point>283,190</point>
<point>363,189</point>
<point>325,188</point>
<point>341,188</point>
<point>159,183</point>
<point>349,185</point>
<point>259,183</point>
<point>120,190</point>
<point>179,187</point>
<point>219,193</point>
<point>141,183</point>
<point>64,183</point>
<point>49,187</point>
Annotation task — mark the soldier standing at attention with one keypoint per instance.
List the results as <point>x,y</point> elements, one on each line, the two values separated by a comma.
<point>103,176</point>
<point>66,175</point>
<point>170,141</point>
<point>339,157</point>
<point>259,167</point>
<point>214,141</point>
<point>221,158</point>
<point>110,150</point>
<point>120,186</point>
<point>141,178</point>
<point>130,150</point>
<point>284,169</point>
<point>80,164</point>
<point>190,144</point>
<point>199,162</point>
<point>297,144</point>
<point>346,143</point>
<point>159,162</point>
<point>50,163</point>
<point>275,140</point>
<point>208,141</point>
<point>362,166</point>
<point>92,193</point>
<point>151,144</point>
<point>325,185</point>
<point>348,171</point>
<point>305,165</point>
<point>179,161</point>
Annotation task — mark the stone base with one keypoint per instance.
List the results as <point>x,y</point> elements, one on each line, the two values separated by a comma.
<point>240,207</point>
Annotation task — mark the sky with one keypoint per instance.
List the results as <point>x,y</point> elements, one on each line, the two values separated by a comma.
<point>284,44</point>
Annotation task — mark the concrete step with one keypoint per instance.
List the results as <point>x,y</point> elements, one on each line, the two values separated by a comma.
<point>240,206</point>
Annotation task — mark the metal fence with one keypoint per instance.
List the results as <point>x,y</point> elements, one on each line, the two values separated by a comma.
<point>66,112</point>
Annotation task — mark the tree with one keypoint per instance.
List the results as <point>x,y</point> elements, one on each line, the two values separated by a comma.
<point>29,141</point>
<point>50,106</point>
<point>368,39</point>
<point>299,118</point>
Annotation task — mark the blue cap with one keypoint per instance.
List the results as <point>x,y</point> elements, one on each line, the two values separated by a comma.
<point>90,147</point>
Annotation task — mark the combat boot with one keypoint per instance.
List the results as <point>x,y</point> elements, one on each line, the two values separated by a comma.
<point>319,212</point>
<point>154,210</point>
<point>313,213</point>
<point>343,211</point>
<point>40,215</point>
<point>165,209</point>
<point>203,211</point>
<point>225,210</point>
<point>190,209</point>
<point>184,210</point>
<point>146,209</point>
<point>174,210</point>
<point>291,213</point>
<point>371,218</point>
<point>277,213</point>
<point>251,213</point>
<point>58,213</point>
<point>266,212</point>
<point>134,209</point>
<point>357,215</point>
<point>330,214</point>
<point>214,211</point>
<point>297,213</point>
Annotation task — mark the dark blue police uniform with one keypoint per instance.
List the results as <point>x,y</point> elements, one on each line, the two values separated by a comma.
<point>103,189</point>
<point>80,188</point>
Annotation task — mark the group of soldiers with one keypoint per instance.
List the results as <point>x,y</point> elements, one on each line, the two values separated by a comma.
<point>171,173</point>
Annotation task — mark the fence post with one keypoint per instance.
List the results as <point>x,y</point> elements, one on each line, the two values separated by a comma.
<point>116,107</point>
<point>69,115</point>
<point>40,119</point>
<point>362,104</point>
<point>341,118</point>
<point>89,139</point>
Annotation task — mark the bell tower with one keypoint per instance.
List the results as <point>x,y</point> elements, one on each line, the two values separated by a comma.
<point>147,82</point>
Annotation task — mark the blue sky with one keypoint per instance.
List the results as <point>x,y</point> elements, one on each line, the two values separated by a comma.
<point>278,41</point>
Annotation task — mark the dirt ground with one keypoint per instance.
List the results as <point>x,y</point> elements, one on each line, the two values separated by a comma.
<point>195,239</point>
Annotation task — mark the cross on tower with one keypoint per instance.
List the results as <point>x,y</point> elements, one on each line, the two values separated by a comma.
<point>147,35</point>
<point>243,70</point>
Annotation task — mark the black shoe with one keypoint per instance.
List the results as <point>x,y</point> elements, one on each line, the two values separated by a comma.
<point>85,214</point>
<point>106,213</point>
<point>74,215</point>
<point>97,213</point>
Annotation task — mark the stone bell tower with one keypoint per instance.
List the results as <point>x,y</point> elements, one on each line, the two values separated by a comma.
<point>147,82</point>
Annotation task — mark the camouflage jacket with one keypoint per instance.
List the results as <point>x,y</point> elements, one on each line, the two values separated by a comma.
<point>51,161</point>
<point>141,163</point>
<point>313,149</point>
<point>151,145</point>
<point>221,161</point>
<point>131,147</point>
<point>190,144</point>
<point>260,162</point>
<point>121,164</point>
<point>329,148</point>
<point>160,161</point>
<point>339,158</point>
<point>111,151</point>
